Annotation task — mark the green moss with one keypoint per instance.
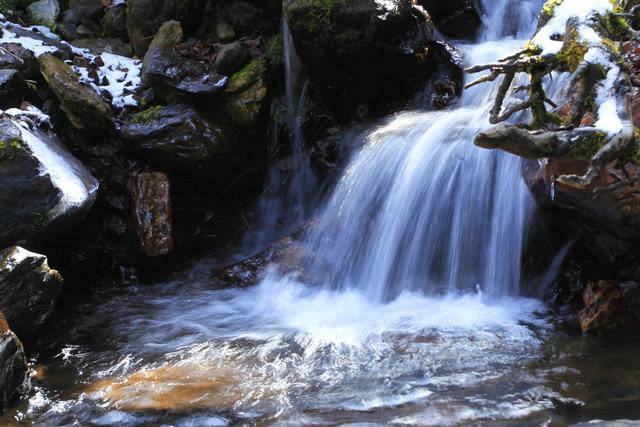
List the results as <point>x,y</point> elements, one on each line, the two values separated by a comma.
<point>274,50</point>
<point>573,51</point>
<point>9,147</point>
<point>548,10</point>
<point>588,147</point>
<point>317,14</point>
<point>147,116</point>
<point>250,74</point>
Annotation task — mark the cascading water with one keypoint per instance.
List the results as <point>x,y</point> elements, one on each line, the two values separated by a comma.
<point>420,208</point>
<point>397,335</point>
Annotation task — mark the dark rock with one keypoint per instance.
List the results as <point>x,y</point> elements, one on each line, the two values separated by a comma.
<point>171,74</point>
<point>151,201</point>
<point>12,88</point>
<point>607,224</point>
<point>99,45</point>
<point>14,375</point>
<point>84,108</point>
<point>144,18</point>
<point>29,289</point>
<point>605,309</point>
<point>86,9</point>
<point>14,56</point>
<point>232,57</point>
<point>366,53</point>
<point>456,19</point>
<point>114,22</point>
<point>177,139</point>
<point>42,184</point>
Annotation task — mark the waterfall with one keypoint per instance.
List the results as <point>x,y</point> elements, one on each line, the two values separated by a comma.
<point>420,208</point>
<point>288,194</point>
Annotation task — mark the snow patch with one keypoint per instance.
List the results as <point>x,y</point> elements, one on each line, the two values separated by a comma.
<point>547,37</point>
<point>608,118</point>
<point>38,47</point>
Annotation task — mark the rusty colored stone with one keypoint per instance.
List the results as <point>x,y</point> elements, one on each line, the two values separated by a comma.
<point>605,308</point>
<point>152,213</point>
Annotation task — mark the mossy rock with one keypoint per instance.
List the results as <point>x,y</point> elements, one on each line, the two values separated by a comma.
<point>247,93</point>
<point>85,109</point>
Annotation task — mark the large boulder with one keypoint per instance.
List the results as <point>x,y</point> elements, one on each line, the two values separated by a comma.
<point>144,18</point>
<point>177,139</point>
<point>44,12</point>
<point>42,184</point>
<point>152,212</point>
<point>174,74</point>
<point>368,52</point>
<point>85,109</point>
<point>456,19</point>
<point>14,375</point>
<point>29,289</point>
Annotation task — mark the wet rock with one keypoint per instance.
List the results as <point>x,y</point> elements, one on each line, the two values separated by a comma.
<point>44,12</point>
<point>456,19</point>
<point>14,375</point>
<point>84,108</point>
<point>287,253</point>
<point>173,74</point>
<point>144,18</point>
<point>12,88</point>
<point>151,202</point>
<point>605,309</point>
<point>368,53</point>
<point>29,289</point>
<point>247,94</point>
<point>41,183</point>
<point>177,138</point>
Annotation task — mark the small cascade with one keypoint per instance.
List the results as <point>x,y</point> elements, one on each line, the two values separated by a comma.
<point>288,195</point>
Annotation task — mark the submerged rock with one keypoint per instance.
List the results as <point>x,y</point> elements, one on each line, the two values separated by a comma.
<point>605,309</point>
<point>177,138</point>
<point>14,375</point>
<point>29,289</point>
<point>40,182</point>
<point>151,201</point>
<point>84,108</point>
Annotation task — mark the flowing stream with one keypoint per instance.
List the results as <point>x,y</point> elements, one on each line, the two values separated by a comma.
<point>407,310</point>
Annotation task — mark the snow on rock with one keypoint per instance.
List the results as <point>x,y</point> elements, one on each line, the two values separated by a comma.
<point>112,76</point>
<point>118,75</point>
<point>75,183</point>
<point>547,37</point>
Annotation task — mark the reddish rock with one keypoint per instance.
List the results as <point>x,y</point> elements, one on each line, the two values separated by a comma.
<point>152,213</point>
<point>605,308</point>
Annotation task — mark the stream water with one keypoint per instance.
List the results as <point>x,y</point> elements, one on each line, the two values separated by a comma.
<point>415,315</point>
